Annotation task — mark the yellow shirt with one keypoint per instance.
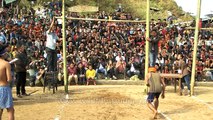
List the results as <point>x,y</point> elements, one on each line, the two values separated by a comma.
<point>90,73</point>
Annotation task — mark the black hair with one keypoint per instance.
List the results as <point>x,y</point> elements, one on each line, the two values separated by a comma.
<point>2,49</point>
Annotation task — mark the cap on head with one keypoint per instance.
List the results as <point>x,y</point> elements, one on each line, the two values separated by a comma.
<point>152,69</point>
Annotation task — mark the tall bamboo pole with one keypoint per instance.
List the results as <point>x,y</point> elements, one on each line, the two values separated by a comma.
<point>195,47</point>
<point>147,36</point>
<point>2,3</point>
<point>64,48</point>
<point>104,20</point>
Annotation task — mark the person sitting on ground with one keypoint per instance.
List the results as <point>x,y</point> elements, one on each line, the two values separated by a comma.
<point>120,66</point>
<point>81,72</point>
<point>101,68</point>
<point>156,87</point>
<point>132,65</point>
<point>111,70</point>
<point>5,90</point>
<point>90,75</point>
<point>32,70</point>
<point>72,73</point>
<point>119,57</point>
<point>40,76</point>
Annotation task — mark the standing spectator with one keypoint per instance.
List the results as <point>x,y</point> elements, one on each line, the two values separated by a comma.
<point>72,73</point>
<point>185,73</point>
<point>51,48</point>
<point>153,48</point>
<point>20,69</point>
<point>90,75</point>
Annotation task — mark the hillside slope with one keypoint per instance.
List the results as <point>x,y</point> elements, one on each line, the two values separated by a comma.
<point>136,7</point>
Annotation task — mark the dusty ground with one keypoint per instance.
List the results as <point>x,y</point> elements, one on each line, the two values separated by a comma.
<point>111,103</point>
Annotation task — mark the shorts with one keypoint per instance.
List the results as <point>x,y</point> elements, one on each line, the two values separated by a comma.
<point>152,96</point>
<point>6,99</point>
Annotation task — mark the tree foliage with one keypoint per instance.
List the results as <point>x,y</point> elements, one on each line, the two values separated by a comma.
<point>136,7</point>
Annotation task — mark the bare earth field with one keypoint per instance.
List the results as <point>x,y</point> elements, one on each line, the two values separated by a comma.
<point>111,102</point>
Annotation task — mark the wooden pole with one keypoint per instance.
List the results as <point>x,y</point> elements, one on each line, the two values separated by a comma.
<point>147,42</point>
<point>195,47</point>
<point>2,3</point>
<point>192,28</point>
<point>64,48</point>
<point>104,20</point>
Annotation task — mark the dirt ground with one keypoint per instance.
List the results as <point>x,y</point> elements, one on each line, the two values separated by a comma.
<point>108,102</point>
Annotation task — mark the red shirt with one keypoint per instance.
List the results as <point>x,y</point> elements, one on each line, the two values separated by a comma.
<point>72,71</point>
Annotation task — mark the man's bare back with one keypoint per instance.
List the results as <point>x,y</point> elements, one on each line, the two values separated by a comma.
<point>5,72</point>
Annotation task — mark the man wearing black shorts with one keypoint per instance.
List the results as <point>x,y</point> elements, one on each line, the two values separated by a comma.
<point>156,87</point>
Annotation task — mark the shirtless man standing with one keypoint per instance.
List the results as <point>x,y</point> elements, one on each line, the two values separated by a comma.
<point>156,87</point>
<point>6,100</point>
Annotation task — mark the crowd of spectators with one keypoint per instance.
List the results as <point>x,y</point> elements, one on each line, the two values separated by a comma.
<point>110,48</point>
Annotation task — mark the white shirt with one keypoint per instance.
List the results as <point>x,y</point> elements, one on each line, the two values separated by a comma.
<point>51,40</point>
<point>101,66</point>
<point>132,69</point>
<point>209,42</point>
<point>39,12</point>
<point>117,58</point>
<point>59,21</point>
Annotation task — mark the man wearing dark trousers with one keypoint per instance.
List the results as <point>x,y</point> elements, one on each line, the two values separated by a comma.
<point>51,48</point>
<point>153,48</point>
<point>20,69</point>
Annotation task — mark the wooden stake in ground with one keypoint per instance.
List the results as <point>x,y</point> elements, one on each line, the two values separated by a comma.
<point>64,48</point>
<point>147,42</point>
<point>195,47</point>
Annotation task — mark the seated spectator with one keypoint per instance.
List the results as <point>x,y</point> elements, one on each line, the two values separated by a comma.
<point>32,73</point>
<point>132,68</point>
<point>84,62</point>
<point>200,70</point>
<point>119,57</point>
<point>72,72</point>
<point>40,76</point>
<point>60,71</point>
<point>90,75</point>
<point>101,68</point>
<point>121,67</point>
<point>111,70</point>
<point>81,72</point>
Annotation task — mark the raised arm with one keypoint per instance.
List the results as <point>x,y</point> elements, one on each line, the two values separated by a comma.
<point>51,26</point>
